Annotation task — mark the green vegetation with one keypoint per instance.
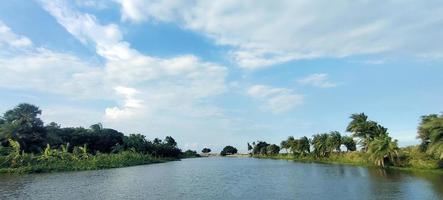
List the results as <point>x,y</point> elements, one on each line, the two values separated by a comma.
<point>190,154</point>
<point>377,147</point>
<point>27,145</point>
<point>430,132</point>
<point>206,150</point>
<point>228,150</point>
<point>62,160</point>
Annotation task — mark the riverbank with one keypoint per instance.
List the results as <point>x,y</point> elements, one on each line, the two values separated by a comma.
<point>359,159</point>
<point>29,163</point>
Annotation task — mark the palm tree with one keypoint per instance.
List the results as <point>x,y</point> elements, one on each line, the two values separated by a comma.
<point>436,138</point>
<point>349,143</point>
<point>357,124</point>
<point>304,145</point>
<point>381,148</point>
<point>290,142</point>
<point>425,127</point>
<point>430,131</point>
<point>358,127</point>
<point>284,145</point>
<point>365,129</point>
<point>319,142</point>
<point>334,141</point>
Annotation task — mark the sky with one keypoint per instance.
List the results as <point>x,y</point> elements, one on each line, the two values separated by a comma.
<point>217,73</point>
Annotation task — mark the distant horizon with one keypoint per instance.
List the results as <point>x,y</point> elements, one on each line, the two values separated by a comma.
<point>227,73</point>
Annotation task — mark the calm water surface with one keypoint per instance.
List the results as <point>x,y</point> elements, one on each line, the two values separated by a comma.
<point>226,178</point>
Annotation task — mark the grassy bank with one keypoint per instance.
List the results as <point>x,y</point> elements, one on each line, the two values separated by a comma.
<point>362,159</point>
<point>29,163</point>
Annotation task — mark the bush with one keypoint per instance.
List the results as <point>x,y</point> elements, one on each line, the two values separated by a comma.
<point>190,154</point>
<point>228,150</point>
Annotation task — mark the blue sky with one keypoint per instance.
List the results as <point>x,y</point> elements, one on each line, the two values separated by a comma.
<point>224,73</point>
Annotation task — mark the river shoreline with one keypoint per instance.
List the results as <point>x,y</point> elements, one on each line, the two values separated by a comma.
<point>338,162</point>
<point>34,164</point>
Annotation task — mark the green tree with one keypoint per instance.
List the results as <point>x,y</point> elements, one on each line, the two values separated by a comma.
<point>259,148</point>
<point>103,139</point>
<point>157,141</point>
<point>349,143</point>
<point>249,147</point>
<point>137,142</point>
<point>228,150</point>
<point>360,127</point>
<point>206,150</point>
<point>170,141</point>
<point>430,132</point>
<point>190,154</point>
<point>365,129</point>
<point>272,149</point>
<point>300,146</point>
<point>23,125</point>
<point>304,146</point>
<point>287,144</point>
<point>334,141</point>
<point>284,145</point>
<point>290,142</point>
<point>53,133</point>
<point>97,128</point>
<point>319,142</point>
<point>383,148</point>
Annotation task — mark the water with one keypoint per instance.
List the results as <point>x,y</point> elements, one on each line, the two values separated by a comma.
<point>226,178</point>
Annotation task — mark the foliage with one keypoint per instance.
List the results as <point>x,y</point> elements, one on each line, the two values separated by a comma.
<point>430,132</point>
<point>23,125</point>
<point>25,142</point>
<point>299,146</point>
<point>228,150</point>
<point>170,141</point>
<point>54,161</point>
<point>272,149</point>
<point>383,148</point>
<point>190,154</point>
<point>334,141</point>
<point>259,148</point>
<point>319,142</point>
<point>287,144</point>
<point>137,142</point>
<point>378,148</point>
<point>206,150</point>
<point>349,143</point>
<point>365,129</point>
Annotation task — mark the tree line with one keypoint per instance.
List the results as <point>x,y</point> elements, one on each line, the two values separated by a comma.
<point>374,141</point>
<point>23,125</point>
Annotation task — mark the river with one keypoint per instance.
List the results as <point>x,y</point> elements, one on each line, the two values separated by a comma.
<point>217,178</point>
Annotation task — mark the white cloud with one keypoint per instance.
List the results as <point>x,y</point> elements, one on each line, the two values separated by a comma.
<point>161,95</point>
<point>165,10</point>
<point>317,80</point>
<point>147,86</point>
<point>131,105</point>
<point>278,100</point>
<point>96,4</point>
<point>46,70</point>
<point>10,39</point>
<point>264,33</point>
<point>25,66</point>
